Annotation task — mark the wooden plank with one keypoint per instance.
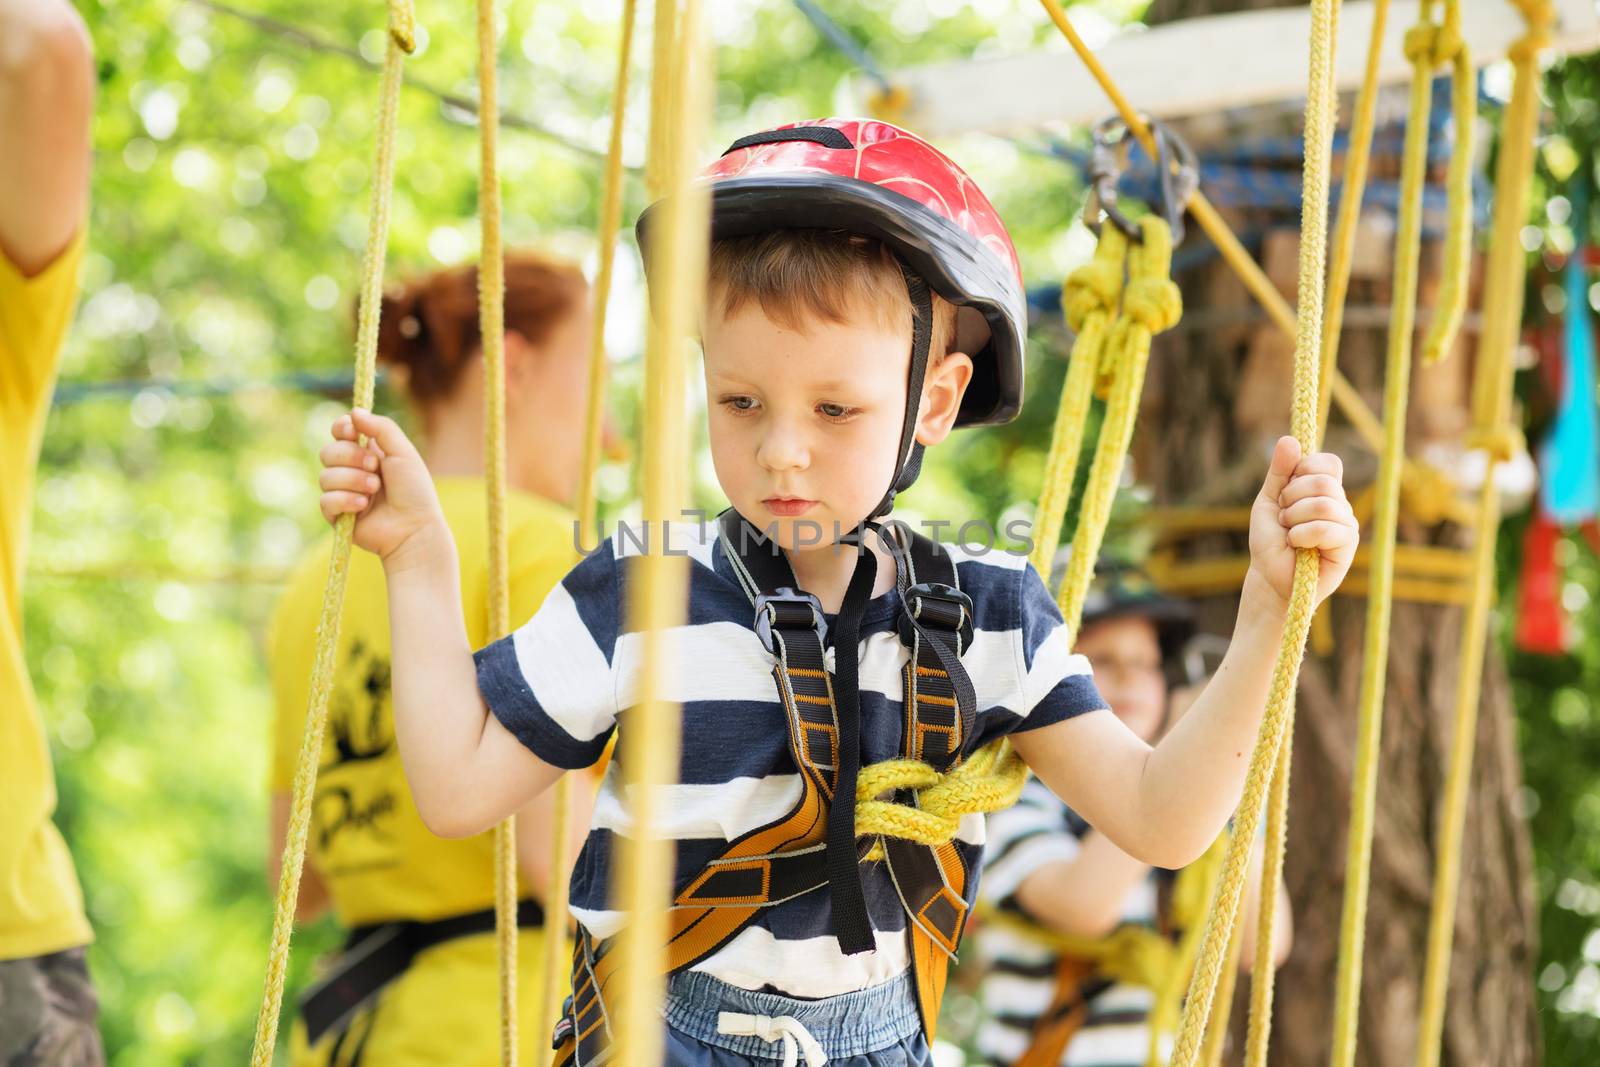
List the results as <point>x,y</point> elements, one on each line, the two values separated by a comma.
<point>1194,66</point>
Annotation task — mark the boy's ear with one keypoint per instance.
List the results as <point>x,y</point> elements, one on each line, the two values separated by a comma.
<point>942,391</point>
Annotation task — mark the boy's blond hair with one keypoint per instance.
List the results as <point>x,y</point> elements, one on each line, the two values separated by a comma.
<point>796,275</point>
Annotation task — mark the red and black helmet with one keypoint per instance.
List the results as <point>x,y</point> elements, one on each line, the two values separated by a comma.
<point>875,179</point>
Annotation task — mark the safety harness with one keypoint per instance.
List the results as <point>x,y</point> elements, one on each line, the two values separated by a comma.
<point>801,853</point>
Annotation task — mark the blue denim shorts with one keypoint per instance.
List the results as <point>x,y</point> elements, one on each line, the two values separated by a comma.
<point>876,1027</point>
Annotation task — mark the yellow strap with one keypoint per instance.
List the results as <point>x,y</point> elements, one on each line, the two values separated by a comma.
<point>402,31</point>
<point>1089,299</point>
<point>1150,304</point>
<point>1502,316</point>
<point>1321,103</point>
<point>1427,46</point>
<point>556,961</point>
<point>491,328</point>
<point>650,754</point>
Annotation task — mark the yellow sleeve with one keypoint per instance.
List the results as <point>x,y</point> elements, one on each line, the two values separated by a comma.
<point>291,646</point>
<point>542,553</point>
<point>34,313</point>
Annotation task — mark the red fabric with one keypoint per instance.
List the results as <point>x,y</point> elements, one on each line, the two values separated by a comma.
<point>1541,621</point>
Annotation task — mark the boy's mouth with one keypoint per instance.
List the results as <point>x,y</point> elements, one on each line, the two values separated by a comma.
<point>787,506</point>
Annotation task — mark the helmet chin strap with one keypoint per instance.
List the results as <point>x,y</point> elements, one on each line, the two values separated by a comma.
<point>909,453</point>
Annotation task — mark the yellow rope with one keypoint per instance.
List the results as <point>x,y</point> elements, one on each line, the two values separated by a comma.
<point>1342,249</point>
<point>988,780</point>
<point>1502,314</point>
<point>1427,45</point>
<point>1264,972</point>
<point>650,754</point>
<point>491,329</point>
<point>1210,220</point>
<point>402,31</point>
<point>1448,47</point>
<point>555,959</point>
<point>1278,719</point>
<point>1216,1038</point>
<point>1151,303</point>
<point>1089,299</point>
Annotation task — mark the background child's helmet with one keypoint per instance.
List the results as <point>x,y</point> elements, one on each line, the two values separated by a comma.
<point>877,180</point>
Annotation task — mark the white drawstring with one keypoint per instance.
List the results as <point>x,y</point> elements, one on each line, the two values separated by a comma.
<point>786,1028</point>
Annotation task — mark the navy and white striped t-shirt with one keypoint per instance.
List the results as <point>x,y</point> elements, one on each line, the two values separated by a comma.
<point>565,680</point>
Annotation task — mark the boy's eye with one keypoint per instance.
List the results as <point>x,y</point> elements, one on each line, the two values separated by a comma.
<point>739,403</point>
<point>836,412</point>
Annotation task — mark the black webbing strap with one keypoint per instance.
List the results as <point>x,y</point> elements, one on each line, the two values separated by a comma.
<point>936,626</point>
<point>376,955</point>
<point>789,621</point>
<point>826,136</point>
<point>909,453</point>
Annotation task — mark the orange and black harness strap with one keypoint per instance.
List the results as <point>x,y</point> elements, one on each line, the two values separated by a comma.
<point>788,858</point>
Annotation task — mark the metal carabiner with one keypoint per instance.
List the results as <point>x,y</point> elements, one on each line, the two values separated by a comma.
<point>1177,174</point>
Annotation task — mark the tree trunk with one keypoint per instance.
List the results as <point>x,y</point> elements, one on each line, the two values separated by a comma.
<point>1218,390</point>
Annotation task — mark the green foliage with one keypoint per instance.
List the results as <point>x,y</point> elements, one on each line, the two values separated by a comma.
<point>230,202</point>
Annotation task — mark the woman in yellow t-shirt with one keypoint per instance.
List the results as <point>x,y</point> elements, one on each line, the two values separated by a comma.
<point>418,982</point>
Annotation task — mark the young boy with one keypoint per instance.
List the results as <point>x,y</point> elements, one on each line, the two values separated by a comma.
<point>834,243</point>
<point>1046,1006</point>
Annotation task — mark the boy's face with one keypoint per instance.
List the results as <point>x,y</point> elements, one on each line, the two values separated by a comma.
<point>805,424</point>
<point>1126,655</point>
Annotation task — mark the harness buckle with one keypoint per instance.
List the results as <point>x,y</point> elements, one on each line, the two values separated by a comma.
<point>941,606</point>
<point>789,609</point>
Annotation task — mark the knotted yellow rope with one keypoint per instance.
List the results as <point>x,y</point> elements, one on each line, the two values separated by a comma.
<point>402,36</point>
<point>1502,316</point>
<point>1321,103</point>
<point>1089,300</point>
<point>491,328</point>
<point>1428,45</point>
<point>556,959</point>
<point>1210,220</point>
<point>989,780</point>
<point>1151,303</point>
<point>650,754</point>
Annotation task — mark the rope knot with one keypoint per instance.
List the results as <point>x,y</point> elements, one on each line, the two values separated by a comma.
<point>1154,303</point>
<point>1093,287</point>
<point>1428,494</point>
<point>989,780</point>
<point>1428,45</point>
<point>1503,443</point>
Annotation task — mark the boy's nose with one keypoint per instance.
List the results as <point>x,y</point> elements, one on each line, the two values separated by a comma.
<point>782,449</point>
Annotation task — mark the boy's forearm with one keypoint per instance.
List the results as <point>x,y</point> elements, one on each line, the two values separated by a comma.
<point>1194,777</point>
<point>1084,896</point>
<point>439,716</point>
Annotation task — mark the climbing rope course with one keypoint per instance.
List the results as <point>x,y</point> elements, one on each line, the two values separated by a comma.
<point>1115,304</point>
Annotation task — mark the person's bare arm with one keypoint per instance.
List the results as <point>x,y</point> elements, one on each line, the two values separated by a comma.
<point>466,770</point>
<point>535,825</point>
<point>1086,895</point>
<point>46,103</point>
<point>1165,805</point>
<point>314,900</point>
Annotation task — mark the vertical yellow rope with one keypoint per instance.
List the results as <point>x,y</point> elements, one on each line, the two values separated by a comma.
<point>491,328</point>
<point>1088,300</point>
<point>1502,316</point>
<point>1427,45</point>
<point>650,754</point>
<point>1278,718</point>
<point>1151,303</point>
<point>1342,249</point>
<point>402,35</point>
<point>1216,1037</point>
<point>1452,303</point>
<point>555,897</point>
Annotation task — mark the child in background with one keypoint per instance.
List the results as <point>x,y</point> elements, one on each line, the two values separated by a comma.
<point>1046,1006</point>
